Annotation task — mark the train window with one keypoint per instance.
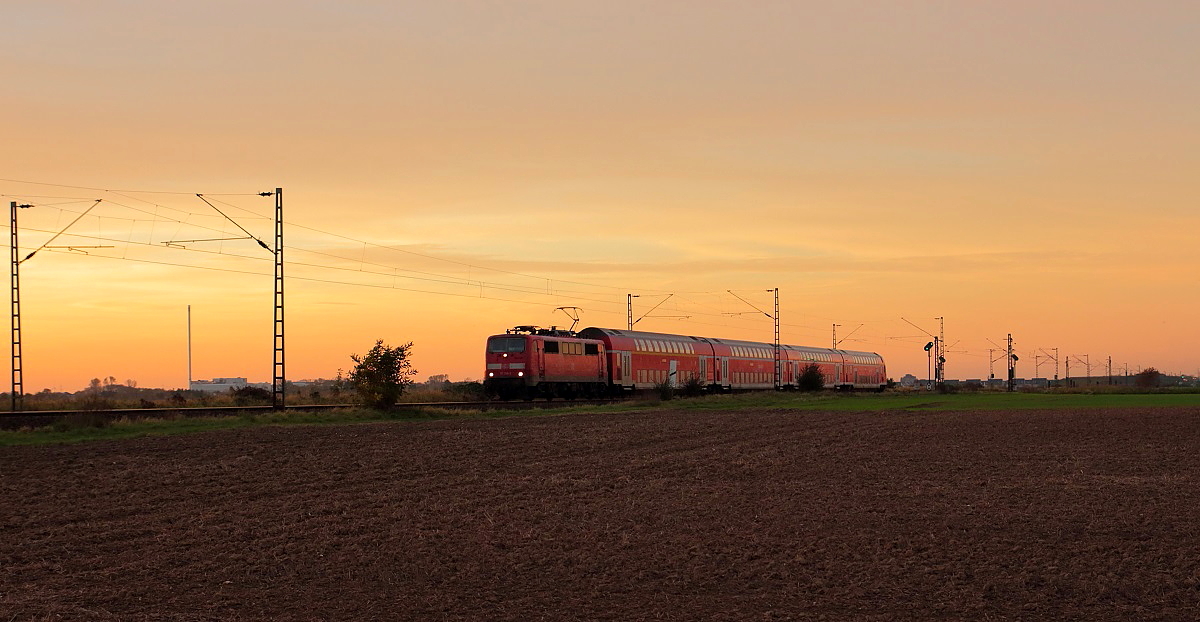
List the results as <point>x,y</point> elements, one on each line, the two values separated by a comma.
<point>506,344</point>
<point>551,347</point>
<point>591,348</point>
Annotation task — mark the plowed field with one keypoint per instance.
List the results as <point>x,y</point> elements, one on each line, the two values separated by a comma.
<point>671,515</point>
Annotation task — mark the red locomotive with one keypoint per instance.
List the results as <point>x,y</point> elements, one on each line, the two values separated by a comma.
<point>530,362</point>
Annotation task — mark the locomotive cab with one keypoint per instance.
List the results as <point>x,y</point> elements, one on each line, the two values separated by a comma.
<point>528,362</point>
<point>507,361</point>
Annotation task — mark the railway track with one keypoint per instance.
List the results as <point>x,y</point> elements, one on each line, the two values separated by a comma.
<point>11,420</point>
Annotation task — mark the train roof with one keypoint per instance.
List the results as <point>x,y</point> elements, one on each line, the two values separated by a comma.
<point>636,334</point>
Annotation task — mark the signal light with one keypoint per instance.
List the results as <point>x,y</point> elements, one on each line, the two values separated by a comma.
<point>928,346</point>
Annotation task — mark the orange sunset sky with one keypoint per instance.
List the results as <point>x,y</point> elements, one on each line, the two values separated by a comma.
<point>451,169</point>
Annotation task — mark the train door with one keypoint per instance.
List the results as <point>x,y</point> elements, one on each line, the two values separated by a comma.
<point>540,355</point>
<point>724,379</point>
<point>673,375</point>
<point>704,370</point>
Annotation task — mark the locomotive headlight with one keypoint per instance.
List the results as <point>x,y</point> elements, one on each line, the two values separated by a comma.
<point>520,373</point>
<point>504,356</point>
<point>491,374</point>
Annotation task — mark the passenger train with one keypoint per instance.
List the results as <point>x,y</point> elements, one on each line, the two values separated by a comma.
<point>527,362</point>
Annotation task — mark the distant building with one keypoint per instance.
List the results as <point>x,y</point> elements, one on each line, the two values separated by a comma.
<point>909,381</point>
<point>222,385</point>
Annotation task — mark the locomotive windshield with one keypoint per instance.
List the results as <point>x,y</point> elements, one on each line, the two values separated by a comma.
<point>506,344</point>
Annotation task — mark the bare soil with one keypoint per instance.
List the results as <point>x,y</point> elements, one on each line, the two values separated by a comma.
<point>1065,515</point>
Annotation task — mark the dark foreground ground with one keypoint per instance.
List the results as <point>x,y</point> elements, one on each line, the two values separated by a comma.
<point>670,516</point>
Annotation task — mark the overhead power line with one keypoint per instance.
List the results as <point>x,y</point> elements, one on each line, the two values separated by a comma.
<point>546,288</point>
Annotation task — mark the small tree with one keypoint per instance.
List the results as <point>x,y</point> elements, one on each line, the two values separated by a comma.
<point>381,374</point>
<point>811,378</point>
<point>1148,378</point>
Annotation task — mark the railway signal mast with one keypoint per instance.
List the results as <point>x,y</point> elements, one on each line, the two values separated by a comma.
<point>778,363</point>
<point>1054,357</point>
<point>278,376</point>
<point>837,342</point>
<point>929,347</point>
<point>1012,365</point>
<point>936,350</point>
<point>17,380</point>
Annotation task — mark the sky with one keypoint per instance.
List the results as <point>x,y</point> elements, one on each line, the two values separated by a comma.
<point>455,168</point>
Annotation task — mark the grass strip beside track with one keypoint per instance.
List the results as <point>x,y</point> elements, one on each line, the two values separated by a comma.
<point>83,428</point>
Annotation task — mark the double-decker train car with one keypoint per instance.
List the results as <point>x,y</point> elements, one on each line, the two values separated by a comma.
<point>641,360</point>
<point>528,362</point>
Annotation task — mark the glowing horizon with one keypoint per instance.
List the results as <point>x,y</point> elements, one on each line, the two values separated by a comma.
<point>1023,168</point>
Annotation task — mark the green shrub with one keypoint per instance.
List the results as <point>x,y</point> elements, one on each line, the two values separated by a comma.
<point>248,395</point>
<point>692,387</point>
<point>811,378</point>
<point>381,374</point>
<point>664,390</point>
